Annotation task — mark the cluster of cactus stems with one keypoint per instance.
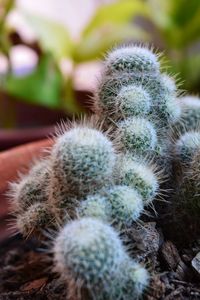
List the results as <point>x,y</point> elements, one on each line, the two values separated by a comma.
<point>99,179</point>
<point>186,151</point>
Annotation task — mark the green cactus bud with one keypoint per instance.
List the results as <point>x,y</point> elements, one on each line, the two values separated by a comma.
<point>31,188</point>
<point>134,281</point>
<point>190,116</point>
<point>138,175</point>
<point>89,252</point>
<point>37,217</point>
<point>132,100</point>
<point>131,59</point>
<point>95,206</point>
<point>82,162</point>
<point>186,146</point>
<point>137,135</point>
<point>126,205</point>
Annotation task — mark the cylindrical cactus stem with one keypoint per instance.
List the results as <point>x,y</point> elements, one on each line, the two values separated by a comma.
<point>88,253</point>
<point>82,162</point>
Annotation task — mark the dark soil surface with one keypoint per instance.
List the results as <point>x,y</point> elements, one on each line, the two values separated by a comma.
<point>26,275</point>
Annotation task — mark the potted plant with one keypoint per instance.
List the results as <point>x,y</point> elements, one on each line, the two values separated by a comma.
<point>88,209</point>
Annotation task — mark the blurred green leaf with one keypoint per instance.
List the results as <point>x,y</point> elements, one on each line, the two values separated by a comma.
<point>70,103</point>
<point>188,72</point>
<point>176,21</point>
<point>159,12</point>
<point>183,11</point>
<point>52,36</point>
<point>118,12</point>
<point>43,86</point>
<point>191,32</point>
<point>102,39</point>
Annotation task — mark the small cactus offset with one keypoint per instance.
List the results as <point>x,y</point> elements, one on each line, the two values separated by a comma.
<point>126,204</point>
<point>37,217</point>
<point>140,176</point>
<point>98,179</point>
<point>31,188</point>
<point>137,135</point>
<point>186,146</point>
<point>134,280</point>
<point>95,206</point>
<point>82,161</point>
<point>132,100</point>
<point>190,114</point>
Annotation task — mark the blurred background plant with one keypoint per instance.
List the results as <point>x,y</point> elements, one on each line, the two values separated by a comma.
<point>46,84</point>
<point>176,30</point>
<point>55,76</point>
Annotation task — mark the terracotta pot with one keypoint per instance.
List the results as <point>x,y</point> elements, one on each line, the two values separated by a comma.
<point>11,162</point>
<point>15,137</point>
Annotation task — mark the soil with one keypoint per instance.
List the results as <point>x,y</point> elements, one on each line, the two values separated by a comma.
<point>25,274</point>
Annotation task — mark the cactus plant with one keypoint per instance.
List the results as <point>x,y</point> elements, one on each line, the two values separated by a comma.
<point>89,178</point>
<point>132,100</point>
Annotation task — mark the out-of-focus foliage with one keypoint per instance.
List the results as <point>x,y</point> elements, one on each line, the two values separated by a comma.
<point>5,7</point>
<point>42,86</point>
<point>52,36</point>
<point>177,28</point>
<point>111,24</point>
